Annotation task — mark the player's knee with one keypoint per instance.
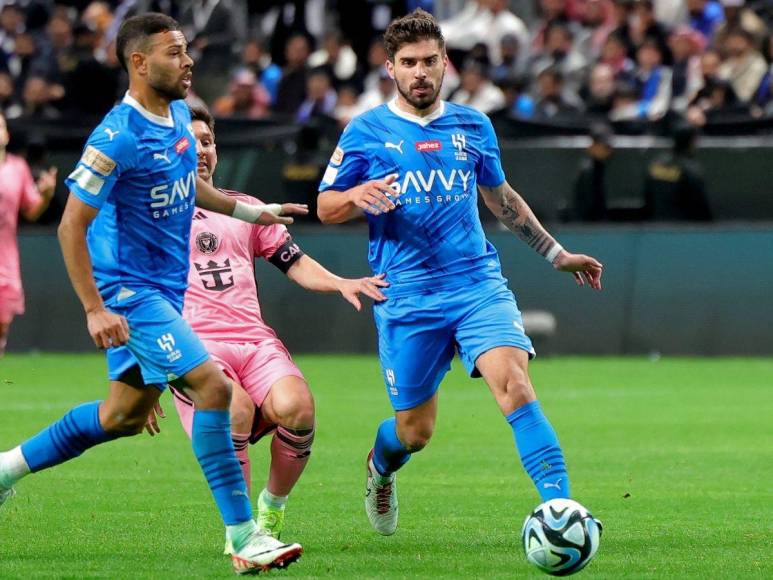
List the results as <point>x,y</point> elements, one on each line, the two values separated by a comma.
<point>300,413</point>
<point>121,424</point>
<point>216,393</point>
<point>518,390</point>
<point>415,440</point>
<point>242,415</point>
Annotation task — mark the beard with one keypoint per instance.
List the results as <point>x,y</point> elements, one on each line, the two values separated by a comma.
<point>166,85</point>
<point>421,103</point>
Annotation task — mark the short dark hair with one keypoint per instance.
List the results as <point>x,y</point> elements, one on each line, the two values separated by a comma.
<point>201,113</point>
<point>135,32</point>
<point>413,27</point>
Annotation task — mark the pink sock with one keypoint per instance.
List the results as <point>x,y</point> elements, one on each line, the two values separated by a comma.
<point>241,441</point>
<point>290,450</point>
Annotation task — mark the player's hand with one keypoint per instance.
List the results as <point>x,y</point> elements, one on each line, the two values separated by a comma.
<point>47,182</point>
<point>584,268</point>
<point>267,218</point>
<point>374,196</point>
<point>151,425</point>
<point>106,328</point>
<point>350,289</point>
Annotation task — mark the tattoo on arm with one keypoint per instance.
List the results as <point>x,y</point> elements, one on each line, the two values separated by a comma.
<point>515,214</point>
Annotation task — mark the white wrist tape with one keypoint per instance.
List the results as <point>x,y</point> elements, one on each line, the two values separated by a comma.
<point>251,213</point>
<point>553,253</point>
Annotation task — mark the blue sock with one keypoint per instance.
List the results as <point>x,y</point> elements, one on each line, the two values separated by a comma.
<point>540,451</point>
<point>389,454</point>
<point>211,436</point>
<point>70,436</point>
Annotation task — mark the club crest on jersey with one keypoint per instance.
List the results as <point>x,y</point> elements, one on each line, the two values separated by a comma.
<point>428,146</point>
<point>182,145</point>
<point>207,242</point>
<point>459,141</point>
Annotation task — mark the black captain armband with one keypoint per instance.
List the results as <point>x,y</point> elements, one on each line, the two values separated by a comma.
<point>287,254</point>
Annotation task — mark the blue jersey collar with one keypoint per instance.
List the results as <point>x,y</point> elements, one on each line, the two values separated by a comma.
<point>152,117</point>
<point>423,121</point>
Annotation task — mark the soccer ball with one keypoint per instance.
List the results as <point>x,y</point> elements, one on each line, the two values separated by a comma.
<point>560,537</point>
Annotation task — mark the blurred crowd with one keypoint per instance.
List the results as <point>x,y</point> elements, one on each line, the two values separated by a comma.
<point>559,61</point>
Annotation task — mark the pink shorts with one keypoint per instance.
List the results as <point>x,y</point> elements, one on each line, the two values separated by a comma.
<point>11,304</point>
<point>256,367</point>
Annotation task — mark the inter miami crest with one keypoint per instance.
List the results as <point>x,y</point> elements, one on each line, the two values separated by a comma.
<point>206,242</point>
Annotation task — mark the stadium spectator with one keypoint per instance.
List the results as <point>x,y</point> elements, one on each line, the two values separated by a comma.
<point>383,92</point>
<point>550,11</point>
<point>19,193</point>
<point>674,188</point>
<point>347,106</point>
<point>653,80</point>
<point>59,32</point>
<point>255,58</point>
<point>98,17</point>
<point>292,86</point>
<point>246,98</point>
<point>465,29</point>
<point>513,62</point>
<point>321,97</point>
<point>739,16</point>
<point>590,186</point>
<point>10,107</point>
<point>643,26</point>
<point>477,91</point>
<point>553,102</point>
<point>744,66</point>
<point>336,57</point>
<point>686,46</point>
<point>716,101</point>
<point>212,29</point>
<point>375,64</point>
<point>705,16</point>
<point>558,53</point>
<point>625,102</point>
<point>518,102</point>
<point>36,99</point>
<point>503,22</point>
<point>614,53</point>
<point>600,91</point>
<point>597,21</point>
<point>88,73</point>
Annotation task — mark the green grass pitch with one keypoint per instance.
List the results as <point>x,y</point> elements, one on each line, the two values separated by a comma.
<point>675,456</point>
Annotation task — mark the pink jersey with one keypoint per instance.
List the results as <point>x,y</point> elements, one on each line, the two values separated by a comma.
<point>221,302</point>
<point>18,192</point>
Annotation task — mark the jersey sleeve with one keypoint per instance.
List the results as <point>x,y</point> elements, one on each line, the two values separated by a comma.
<point>109,152</point>
<point>266,240</point>
<point>30,196</point>
<point>489,169</point>
<point>348,165</point>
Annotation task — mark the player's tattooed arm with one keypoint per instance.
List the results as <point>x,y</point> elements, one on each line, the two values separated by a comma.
<point>511,209</point>
<point>515,214</point>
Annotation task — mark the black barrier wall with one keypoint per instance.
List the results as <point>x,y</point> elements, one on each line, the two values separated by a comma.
<point>672,290</point>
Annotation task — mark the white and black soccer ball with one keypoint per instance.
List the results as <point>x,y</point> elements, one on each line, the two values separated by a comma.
<point>560,537</point>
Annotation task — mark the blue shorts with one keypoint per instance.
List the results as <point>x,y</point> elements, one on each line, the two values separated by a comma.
<point>418,335</point>
<point>160,341</point>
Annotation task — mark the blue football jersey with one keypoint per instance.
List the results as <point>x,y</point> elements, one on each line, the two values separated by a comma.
<point>139,170</point>
<point>434,238</point>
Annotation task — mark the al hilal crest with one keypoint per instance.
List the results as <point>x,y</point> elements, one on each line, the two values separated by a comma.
<point>459,142</point>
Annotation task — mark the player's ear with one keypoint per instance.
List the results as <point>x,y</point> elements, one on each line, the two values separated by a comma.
<point>139,61</point>
<point>390,68</point>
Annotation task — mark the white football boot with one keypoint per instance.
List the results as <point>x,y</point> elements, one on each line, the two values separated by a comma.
<point>381,499</point>
<point>262,553</point>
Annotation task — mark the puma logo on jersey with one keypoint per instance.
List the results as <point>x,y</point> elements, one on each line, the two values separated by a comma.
<point>164,156</point>
<point>111,133</point>
<point>398,146</point>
